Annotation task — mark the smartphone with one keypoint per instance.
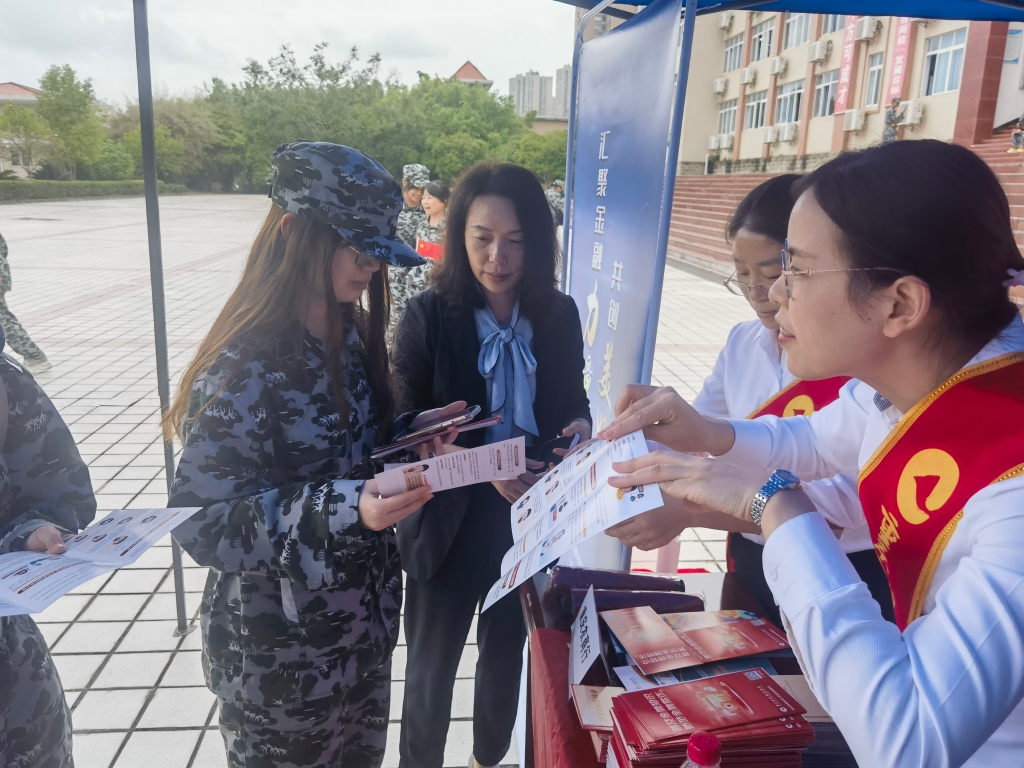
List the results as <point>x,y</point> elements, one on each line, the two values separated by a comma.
<point>440,425</point>
<point>547,451</point>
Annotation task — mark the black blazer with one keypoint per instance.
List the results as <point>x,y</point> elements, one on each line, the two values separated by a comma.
<point>436,355</point>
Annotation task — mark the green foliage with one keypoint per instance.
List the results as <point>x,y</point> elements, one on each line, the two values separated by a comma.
<point>55,190</point>
<point>114,164</point>
<point>9,175</point>
<point>170,152</point>
<point>449,155</point>
<point>542,154</point>
<point>24,130</point>
<point>68,105</point>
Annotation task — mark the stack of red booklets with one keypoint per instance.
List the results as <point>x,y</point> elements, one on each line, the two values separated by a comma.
<point>757,721</point>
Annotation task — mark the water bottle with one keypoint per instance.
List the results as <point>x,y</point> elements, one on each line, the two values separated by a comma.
<point>703,750</point>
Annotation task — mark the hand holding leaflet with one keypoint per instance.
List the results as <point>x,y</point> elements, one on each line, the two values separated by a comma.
<point>570,504</point>
<point>504,460</point>
<point>31,581</point>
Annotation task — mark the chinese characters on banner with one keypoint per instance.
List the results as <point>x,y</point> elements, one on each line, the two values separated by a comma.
<point>846,64</point>
<point>900,55</point>
<point>619,176</point>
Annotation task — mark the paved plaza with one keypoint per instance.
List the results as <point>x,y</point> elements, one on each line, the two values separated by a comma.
<point>81,287</point>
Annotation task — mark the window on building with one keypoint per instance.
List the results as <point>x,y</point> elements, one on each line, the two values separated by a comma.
<point>874,91</point>
<point>16,158</point>
<point>832,22</point>
<point>761,40</point>
<point>825,86</point>
<point>798,29</point>
<point>755,110</point>
<point>727,116</point>
<point>944,62</point>
<point>787,102</point>
<point>733,53</point>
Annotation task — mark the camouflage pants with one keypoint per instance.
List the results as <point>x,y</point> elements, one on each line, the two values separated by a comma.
<point>346,730</point>
<point>17,337</point>
<point>35,722</point>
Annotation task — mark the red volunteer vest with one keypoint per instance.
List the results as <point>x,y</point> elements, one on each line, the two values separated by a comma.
<point>964,436</point>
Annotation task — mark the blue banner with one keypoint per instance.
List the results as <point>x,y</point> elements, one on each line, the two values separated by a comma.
<point>625,95</point>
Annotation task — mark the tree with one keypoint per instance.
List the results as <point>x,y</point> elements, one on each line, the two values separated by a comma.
<point>69,106</point>
<point>170,152</point>
<point>114,164</point>
<point>27,133</point>
<point>450,155</point>
<point>544,154</point>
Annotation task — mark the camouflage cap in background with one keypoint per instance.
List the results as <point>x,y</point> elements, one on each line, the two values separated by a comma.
<point>558,183</point>
<point>417,175</point>
<point>346,189</point>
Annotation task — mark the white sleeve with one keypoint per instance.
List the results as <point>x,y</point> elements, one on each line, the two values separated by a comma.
<point>837,500</point>
<point>710,401</point>
<point>936,693</point>
<point>821,445</point>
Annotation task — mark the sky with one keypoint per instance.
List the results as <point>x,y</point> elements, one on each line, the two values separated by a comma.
<point>193,41</point>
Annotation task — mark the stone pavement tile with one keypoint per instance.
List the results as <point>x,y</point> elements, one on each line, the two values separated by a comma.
<point>132,670</point>
<point>195,581</point>
<point>107,710</point>
<point>113,608</point>
<point>91,637</point>
<point>96,750</point>
<point>211,750</point>
<point>65,609</point>
<point>186,669</point>
<point>151,636</point>
<point>135,581</point>
<point>153,558</point>
<point>162,606</point>
<point>51,632</point>
<point>159,749</point>
<point>92,586</point>
<point>76,670</point>
<point>178,708</point>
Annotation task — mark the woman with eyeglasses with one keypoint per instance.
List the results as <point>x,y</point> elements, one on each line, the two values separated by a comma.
<point>750,380</point>
<point>895,274</point>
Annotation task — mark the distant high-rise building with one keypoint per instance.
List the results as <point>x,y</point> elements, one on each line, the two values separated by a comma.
<point>563,87</point>
<point>531,93</point>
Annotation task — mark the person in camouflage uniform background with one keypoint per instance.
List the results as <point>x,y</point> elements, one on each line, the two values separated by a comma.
<point>20,341</point>
<point>301,609</point>
<point>406,283</point>
<point>45,492</point>
<point>556,200</point>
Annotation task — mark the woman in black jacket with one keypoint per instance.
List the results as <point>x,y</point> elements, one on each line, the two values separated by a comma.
<point>494,331</point>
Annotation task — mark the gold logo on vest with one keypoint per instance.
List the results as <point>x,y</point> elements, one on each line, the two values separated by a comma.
<point>801,405</point>
<point>926,484</point>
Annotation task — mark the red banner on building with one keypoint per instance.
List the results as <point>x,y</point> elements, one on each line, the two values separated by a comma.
<point>846,65</point>
<point>900,60</point>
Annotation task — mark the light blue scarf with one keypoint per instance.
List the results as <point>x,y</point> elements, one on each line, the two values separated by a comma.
<point>508,364</point>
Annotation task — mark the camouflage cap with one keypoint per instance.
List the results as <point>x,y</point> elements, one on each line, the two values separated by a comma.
<point>346,189</point>
<point>558,183</point>
<point>417,175</point>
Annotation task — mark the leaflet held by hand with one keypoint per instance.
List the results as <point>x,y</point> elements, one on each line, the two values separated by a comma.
<point>504,460</point>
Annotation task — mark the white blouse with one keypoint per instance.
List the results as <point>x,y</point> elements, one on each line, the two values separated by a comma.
<point>948,690</point>
<point>749,370</point>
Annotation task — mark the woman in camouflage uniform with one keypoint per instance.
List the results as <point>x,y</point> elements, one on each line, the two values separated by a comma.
<point>280,409</point>
<point>44,492</point>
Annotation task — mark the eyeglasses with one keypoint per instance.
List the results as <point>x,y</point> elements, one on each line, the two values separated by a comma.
<point>756,292</point>
<point>363,261</point>
<point>788,273</point>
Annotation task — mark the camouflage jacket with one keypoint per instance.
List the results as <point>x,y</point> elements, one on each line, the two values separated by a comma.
<point>300,600</point>
<point>5,267</point>
<point>409,223</point>
<point>556,200</point>
<point>43,480</point>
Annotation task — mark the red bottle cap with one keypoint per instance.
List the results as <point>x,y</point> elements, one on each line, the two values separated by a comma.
<point>704,748</point>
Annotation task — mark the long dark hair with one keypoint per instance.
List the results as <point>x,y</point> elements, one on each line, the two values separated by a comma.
<point>765,210</point>
<point>279,269</point>
<point>453,279</point>
<point>928,209</point>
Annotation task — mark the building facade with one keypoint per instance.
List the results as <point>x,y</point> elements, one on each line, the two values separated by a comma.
<point>786,91</point>
<point>11,158</point>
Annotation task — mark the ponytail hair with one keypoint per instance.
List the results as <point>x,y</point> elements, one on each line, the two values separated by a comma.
<point>928,209</point>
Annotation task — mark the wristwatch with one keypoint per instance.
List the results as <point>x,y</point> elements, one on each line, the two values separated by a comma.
<point>781,480</point>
